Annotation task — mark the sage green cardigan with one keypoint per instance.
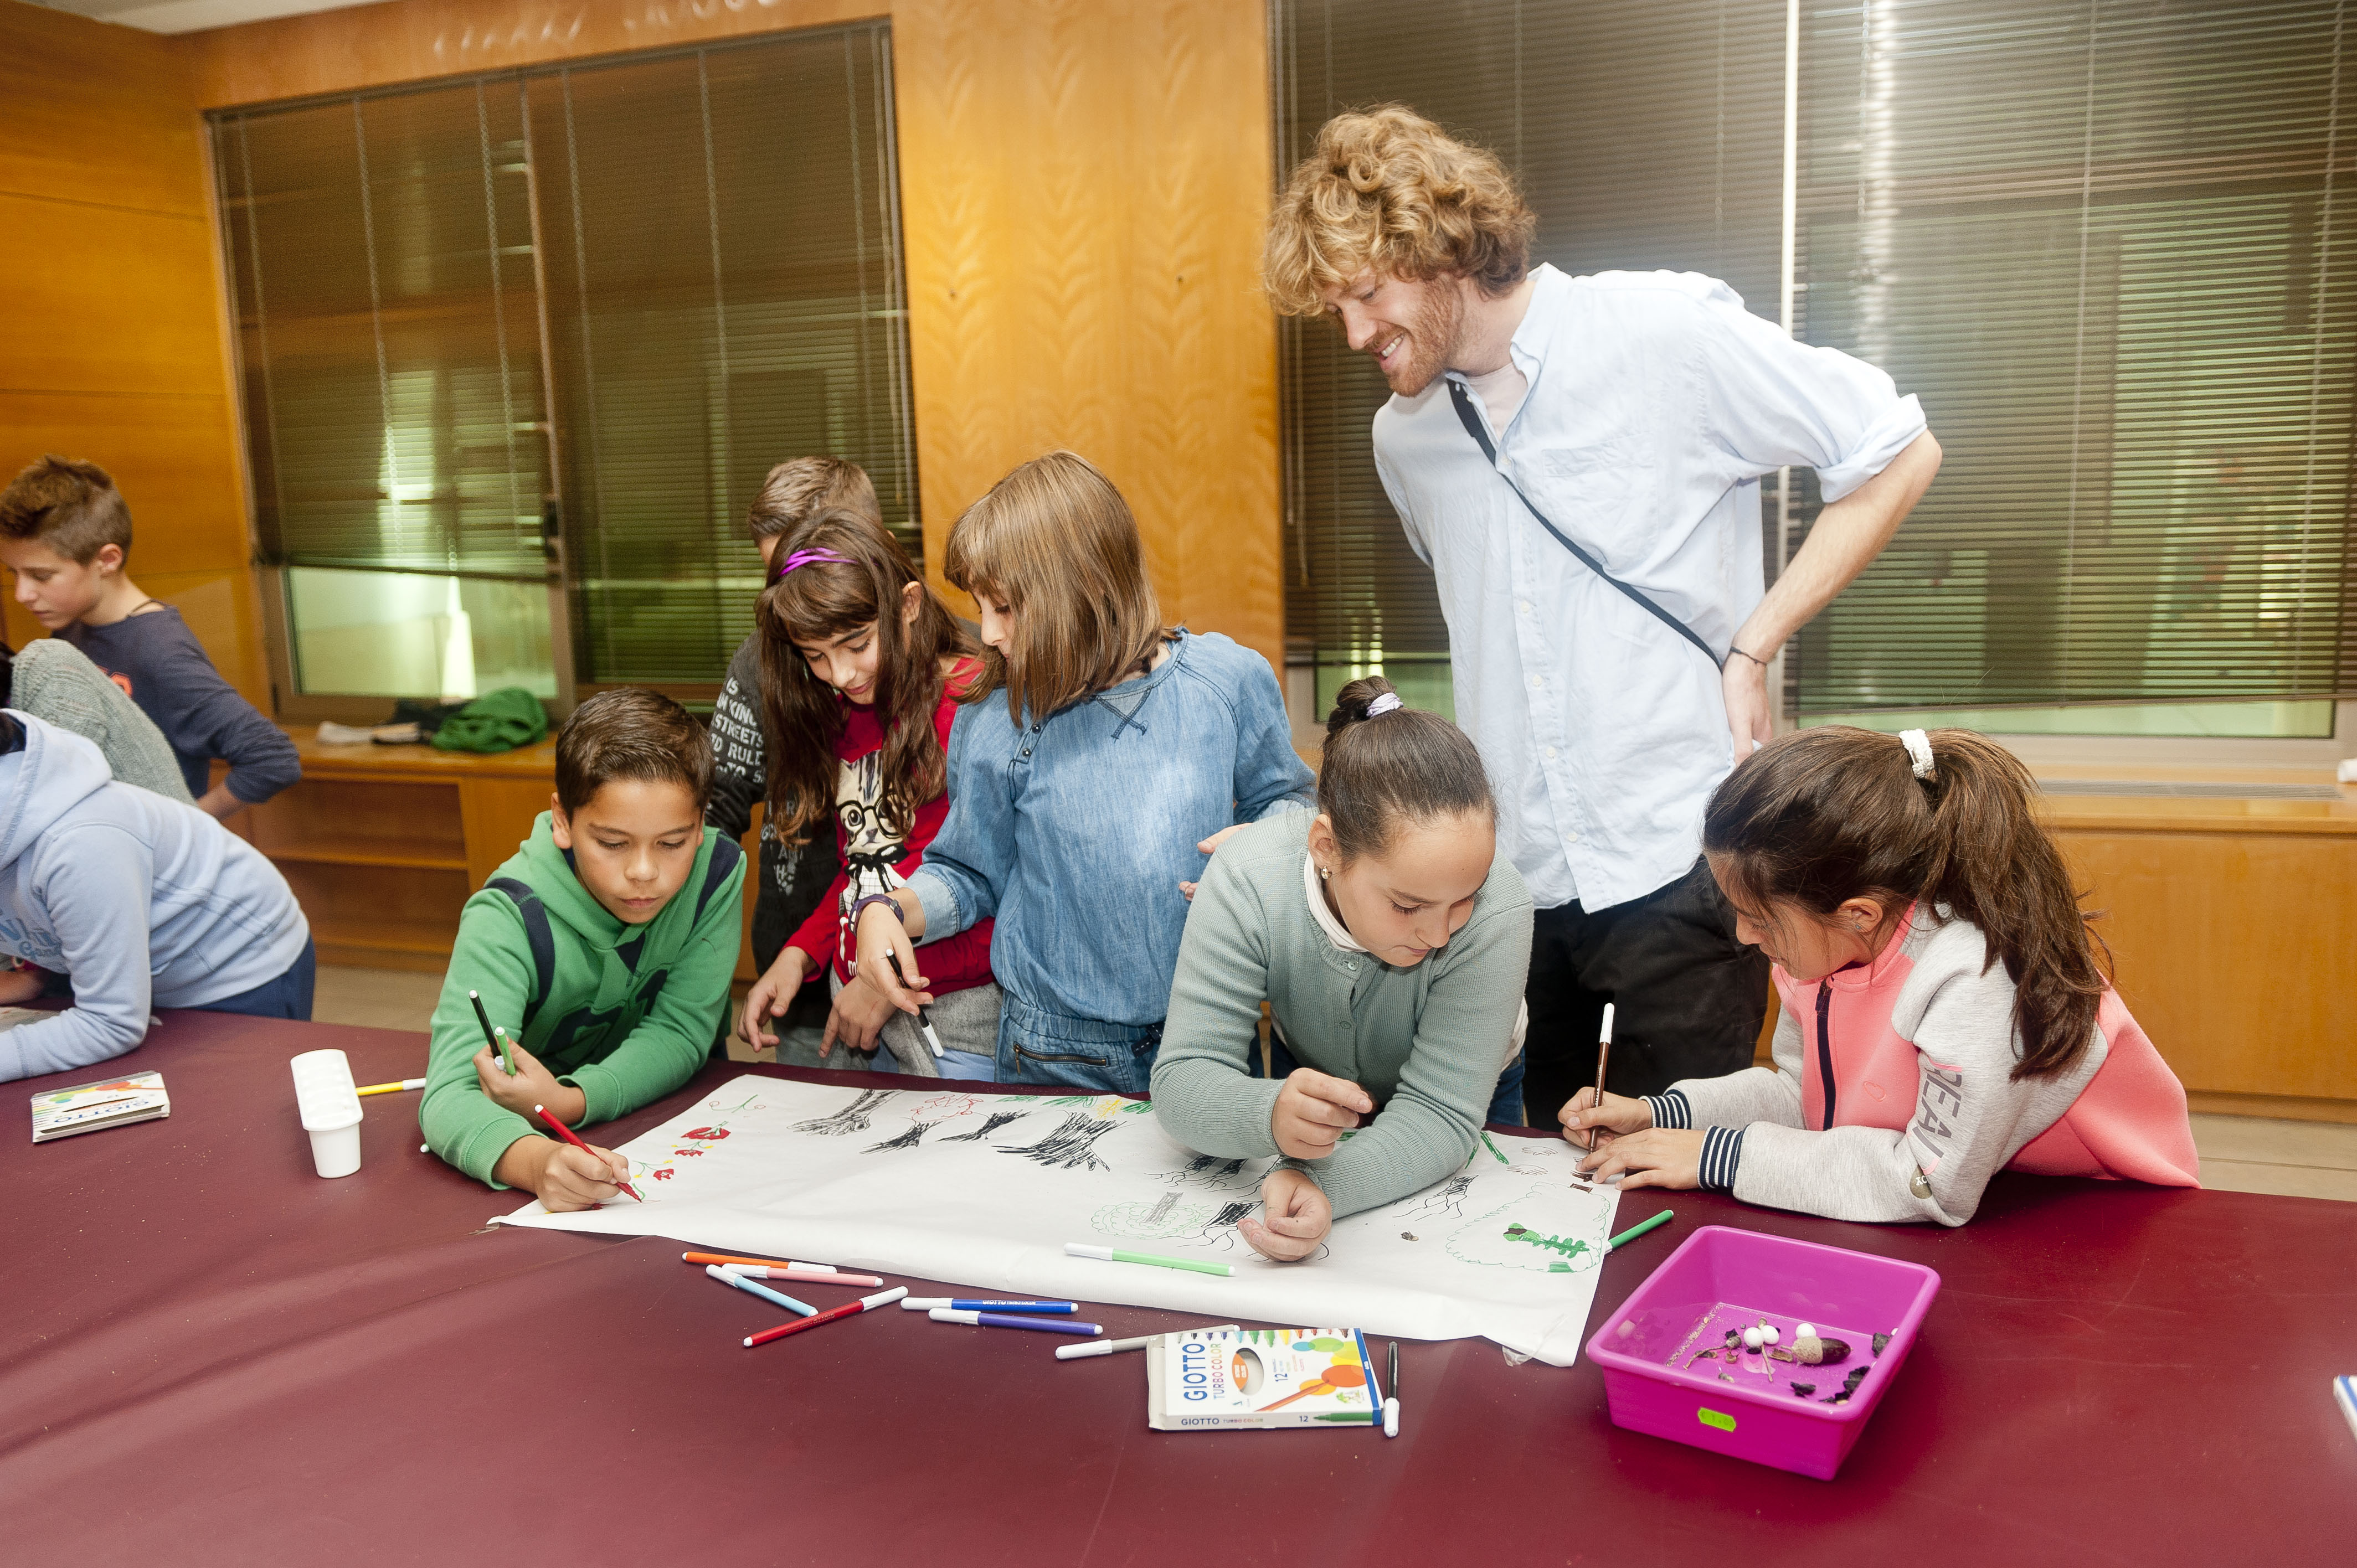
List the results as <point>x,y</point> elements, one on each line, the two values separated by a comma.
<point>1426,1043</point>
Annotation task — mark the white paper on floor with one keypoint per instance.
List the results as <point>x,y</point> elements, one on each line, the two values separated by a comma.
<point>983,1190</point>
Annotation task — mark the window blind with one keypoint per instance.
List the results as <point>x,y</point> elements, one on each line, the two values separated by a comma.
<point>1643,137</point>
<point>725,292</point>
<point>2109,245</point>
<point>631,287</point>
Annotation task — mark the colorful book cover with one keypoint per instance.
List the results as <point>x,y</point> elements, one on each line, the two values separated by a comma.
<point>110,1103</point>
<point>1237,1378</point>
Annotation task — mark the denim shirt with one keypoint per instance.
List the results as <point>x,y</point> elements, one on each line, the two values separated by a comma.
<point>1075,830</point>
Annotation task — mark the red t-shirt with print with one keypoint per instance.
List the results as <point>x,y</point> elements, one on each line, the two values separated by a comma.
<point>865,849</point>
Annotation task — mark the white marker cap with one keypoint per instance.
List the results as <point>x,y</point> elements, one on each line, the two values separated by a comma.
<point>951,1314</point>
<point>882,1298</point>
<point>1605,1035</point>
<point>924,1302</point>
<point>1081,1250</point>
<point>1391,1418</point>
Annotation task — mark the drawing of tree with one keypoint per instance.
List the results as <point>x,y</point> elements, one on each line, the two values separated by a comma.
<point>1203,1170</point>
<point>852,1118</point>
<point>1449,1198</point>
<point>991,1123</point>
<point>1069,1147</point>
<point>907,1140</point>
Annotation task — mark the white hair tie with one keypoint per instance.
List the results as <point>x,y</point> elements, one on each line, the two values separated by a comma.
<point>1387,702</point>
<point>1919,751</point>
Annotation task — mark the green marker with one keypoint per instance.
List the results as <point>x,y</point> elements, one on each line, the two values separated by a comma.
<point>1107,1255</point>
<point>1493,1149</point>
<point>1634,1231</point>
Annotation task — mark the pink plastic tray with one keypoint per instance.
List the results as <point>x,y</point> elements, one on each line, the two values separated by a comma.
<point>1659,1379</point>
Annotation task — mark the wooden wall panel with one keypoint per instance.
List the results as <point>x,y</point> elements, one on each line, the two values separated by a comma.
<point>112,339</point>
<point>1082,186</point>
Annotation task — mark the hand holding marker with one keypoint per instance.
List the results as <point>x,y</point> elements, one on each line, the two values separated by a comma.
<point>924,1013</point>
<point>494,1038</point>
<point>566,1133</point>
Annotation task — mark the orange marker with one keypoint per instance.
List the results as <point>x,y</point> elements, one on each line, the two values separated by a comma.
<point>566,1133</point>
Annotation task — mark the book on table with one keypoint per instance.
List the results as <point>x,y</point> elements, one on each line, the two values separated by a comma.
<point>106,1103</point>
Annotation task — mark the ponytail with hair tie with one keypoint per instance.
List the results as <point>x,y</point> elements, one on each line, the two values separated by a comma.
<point>1413,766</point>
<point>1823,815</point>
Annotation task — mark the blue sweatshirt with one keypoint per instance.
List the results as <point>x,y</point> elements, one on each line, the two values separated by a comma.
<point>144,902</point>
<point>159,661</point>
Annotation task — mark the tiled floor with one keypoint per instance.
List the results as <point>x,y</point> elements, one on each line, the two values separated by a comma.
<point>2239,1154</point>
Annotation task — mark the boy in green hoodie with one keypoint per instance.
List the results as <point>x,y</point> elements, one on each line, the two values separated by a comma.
<point>604,947</point>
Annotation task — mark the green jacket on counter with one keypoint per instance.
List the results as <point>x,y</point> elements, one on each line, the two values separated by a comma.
<point>624,1014</point>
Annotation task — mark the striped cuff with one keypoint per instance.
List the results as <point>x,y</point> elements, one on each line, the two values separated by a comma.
<point>1670,1110</point>
<point>1722,1151</point>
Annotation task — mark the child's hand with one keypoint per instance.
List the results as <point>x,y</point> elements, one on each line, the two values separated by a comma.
<point>1210,846</point>
<point>532,1084</point>
<point>1657,1156</point>
<point>883,938</point>
<point>573,1178</point>
<point>771,997</point>
<point>860,1013</point>
<point>1313,1110</point>
<point>1586,1125</point>
<point>1297,1215</point>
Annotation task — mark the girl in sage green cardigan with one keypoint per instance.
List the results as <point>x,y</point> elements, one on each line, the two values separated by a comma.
<point>1390,940</point>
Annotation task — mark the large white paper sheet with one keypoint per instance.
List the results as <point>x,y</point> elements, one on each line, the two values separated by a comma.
<point>983,1191</point>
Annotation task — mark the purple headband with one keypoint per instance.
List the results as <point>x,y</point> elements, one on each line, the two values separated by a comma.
<point>779,569</point>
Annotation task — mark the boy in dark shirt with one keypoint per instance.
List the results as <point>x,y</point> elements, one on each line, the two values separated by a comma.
<point>65,533</point>
<point>791,879</point>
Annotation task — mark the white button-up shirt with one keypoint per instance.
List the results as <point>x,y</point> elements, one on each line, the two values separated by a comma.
<point>1656,403</point>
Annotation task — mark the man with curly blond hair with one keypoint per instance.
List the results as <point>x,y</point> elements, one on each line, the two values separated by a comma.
<point>1579,459</point>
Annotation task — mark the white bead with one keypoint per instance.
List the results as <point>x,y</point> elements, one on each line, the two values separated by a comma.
<point>1751,1339</point>
<point>1772,1334</point>
<point>1805,1331</point>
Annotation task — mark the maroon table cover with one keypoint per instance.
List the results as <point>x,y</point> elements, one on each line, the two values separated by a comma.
<point>209,1355</point>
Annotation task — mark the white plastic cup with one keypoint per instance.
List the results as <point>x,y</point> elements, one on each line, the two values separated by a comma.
<point>331,1109</point>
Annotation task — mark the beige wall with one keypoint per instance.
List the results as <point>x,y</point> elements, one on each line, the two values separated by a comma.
<point>1081,187</point>
<point>112,317</point>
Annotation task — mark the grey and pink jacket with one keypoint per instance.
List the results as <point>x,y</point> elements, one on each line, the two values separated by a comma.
<point>1892,1097</point>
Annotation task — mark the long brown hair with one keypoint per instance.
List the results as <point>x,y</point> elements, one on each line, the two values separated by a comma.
<point>1055,543</point>
<point>1384,770</point>
<point>1827,814</point>
<point>812,599</point>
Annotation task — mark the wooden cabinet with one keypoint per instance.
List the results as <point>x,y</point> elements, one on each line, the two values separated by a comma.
<point>383,844</point>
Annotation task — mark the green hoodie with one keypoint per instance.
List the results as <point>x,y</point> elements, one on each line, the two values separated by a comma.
<point>631,1011</point>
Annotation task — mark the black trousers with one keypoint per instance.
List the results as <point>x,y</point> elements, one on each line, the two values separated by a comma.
<point>1688,999</point>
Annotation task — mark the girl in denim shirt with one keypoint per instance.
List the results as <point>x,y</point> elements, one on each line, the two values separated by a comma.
<point>1078,800</point>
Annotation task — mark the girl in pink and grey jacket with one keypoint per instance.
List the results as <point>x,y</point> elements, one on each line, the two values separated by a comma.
<point>1945,1014</point>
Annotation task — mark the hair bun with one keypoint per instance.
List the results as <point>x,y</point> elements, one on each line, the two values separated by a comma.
<point>1353,702</point>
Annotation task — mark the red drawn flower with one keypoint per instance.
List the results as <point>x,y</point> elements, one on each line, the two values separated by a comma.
<point>663,1175</point>
<point>705,1133</point>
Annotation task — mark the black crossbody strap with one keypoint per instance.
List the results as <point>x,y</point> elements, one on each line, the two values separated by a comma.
<point>1471,420</point>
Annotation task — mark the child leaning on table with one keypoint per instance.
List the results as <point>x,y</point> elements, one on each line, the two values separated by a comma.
<point>604,946</point>
<point>1945,1015</point>
<point>1390,940</point>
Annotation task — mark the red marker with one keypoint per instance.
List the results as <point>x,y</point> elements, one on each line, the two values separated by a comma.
<point>848,1309</point>
<point>566,1133</point>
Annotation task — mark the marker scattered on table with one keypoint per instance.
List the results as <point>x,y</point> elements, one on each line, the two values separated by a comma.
<point>848,1309</point>
<point>566,1133</point>
<point>927,1303</point>
<point>1390,1394</point>
<point>800,1276</point>
<point>491,1036</point>
<point>776,1263</point>
<point>1636,1231</point>
<point>1113,1347</point>
<point>392,1088</point>
<point>1010,1320</point>
<point>1112,1255</point>
<point>924,1013</point>
<point>731,1277</point>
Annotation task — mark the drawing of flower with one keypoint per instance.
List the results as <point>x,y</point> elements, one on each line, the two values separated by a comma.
<point>707,1133</point>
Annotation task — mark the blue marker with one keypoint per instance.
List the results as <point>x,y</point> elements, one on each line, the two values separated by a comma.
<point>1002,1320</point>
<point>927,1303</point>
<point>728,1277</point>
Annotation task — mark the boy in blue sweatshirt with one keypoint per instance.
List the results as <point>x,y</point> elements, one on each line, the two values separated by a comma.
<point>143,902</point>
<point>65,533</point>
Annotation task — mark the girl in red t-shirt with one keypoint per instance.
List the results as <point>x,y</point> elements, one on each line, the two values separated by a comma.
<point>861,664</point>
